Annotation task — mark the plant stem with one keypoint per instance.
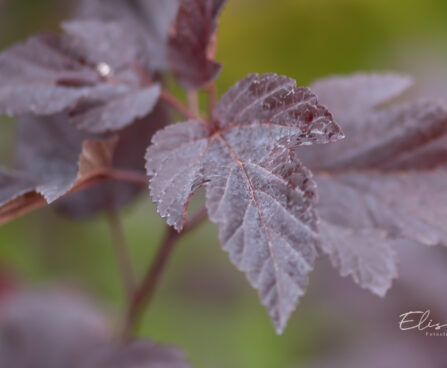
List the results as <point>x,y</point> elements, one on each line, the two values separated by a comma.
<point>122,253</point>
<point>170,99</point>
<point>32,201</point>
<point>212,100</point>
<point>128,176</point>
<point>193,102</point>
<point>178,105</point>
<point>145,293</point>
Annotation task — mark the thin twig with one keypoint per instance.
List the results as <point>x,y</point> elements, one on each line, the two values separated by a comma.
<point>128,176</point>
<point>145,293</point>
<point>33,200</point>
<point>178,105</point>
<point>212,100</point>
<point>121,249</point>
<point>193,102</point>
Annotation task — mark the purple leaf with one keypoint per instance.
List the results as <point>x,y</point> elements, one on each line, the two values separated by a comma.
<point>418,200</point>
<point>410,134</point>
<point>365,254</point>
<point>53,156</point>
<point>350,235</point>
<point>115,114</point>
<point>257,190</point>
<point>109,42</point>
<point>53,329</point>
<point>191,42</point>
<point>14,184</point>
<point>102,89</point>
<point>297,119</point>
<point>382,179</point>
<point>392,133</point>
<point>346,206</point>
<point>138,354</point>
<point>48,155</point>
<point>349,97</point>
<point>267,224</point>
<point>150,18</point>
<point>48,150</point>
<point>49,330</point>
<point>31,75</point>
<point>174,160</point>
<point>358,224</point>
<point>429,156</point>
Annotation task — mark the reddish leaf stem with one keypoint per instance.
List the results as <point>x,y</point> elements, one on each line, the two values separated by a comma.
<point>178,105</point>
<point>145,293</point>
<point>193,102</point>
<point>212,100</point>
<point>32,201</point>
<point>128,176</point>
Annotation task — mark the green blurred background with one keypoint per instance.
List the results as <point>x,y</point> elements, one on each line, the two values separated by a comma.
<point>204,304</point>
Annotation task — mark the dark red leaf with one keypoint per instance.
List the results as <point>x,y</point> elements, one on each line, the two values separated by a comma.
<point>393,134</point>
<point>50,162</point>
<point>48,157</point>
<point>257,190</point>
<point>151,18</point>
<point>365,254</point>
<point>382,179</point>
<point>49,148</point>
<point>100,86</point>
<point>54,329</point>
<point>349,97</point>
<point>14,184</point>
<point>416,201</point>
<point>49,329</point>
<point>109,42</point>
<point>191,42</point>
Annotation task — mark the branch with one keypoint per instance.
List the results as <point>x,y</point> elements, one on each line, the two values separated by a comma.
<point>212,100</point>
<point>145,293</point>
<point>170,99</point>
<point>33,200</point>
<point>193,101</point>
<point>121,251</point>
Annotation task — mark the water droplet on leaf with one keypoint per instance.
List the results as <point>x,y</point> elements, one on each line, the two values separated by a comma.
<point>104,69</point>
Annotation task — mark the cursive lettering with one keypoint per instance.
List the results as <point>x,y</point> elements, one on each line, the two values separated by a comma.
<point>418,320</point>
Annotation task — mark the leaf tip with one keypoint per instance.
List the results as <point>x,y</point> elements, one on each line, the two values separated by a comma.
<point>280,327</point>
